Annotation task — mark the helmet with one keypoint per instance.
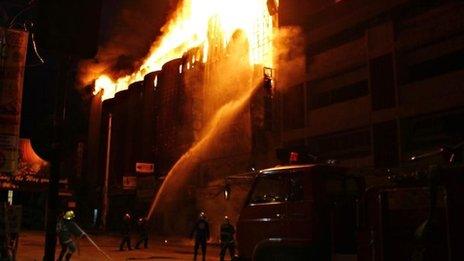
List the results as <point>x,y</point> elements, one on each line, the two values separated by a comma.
<point>127,216</point>
<point>226,219</point>
<point>202,215</point>
<point>68,215</point>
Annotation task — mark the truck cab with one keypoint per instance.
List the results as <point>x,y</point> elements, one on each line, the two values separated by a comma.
<point>300,212</point>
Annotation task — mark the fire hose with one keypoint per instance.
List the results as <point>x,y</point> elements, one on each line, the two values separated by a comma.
<point>97,247</point>
<point>94,244</point>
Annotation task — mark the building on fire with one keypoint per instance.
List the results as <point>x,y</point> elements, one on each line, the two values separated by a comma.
<point>374,83</point>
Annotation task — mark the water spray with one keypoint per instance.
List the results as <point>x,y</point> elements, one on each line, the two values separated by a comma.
<point>223,117</point>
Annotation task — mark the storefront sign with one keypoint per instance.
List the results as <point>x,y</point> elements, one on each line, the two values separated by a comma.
<point>141,167</point>
<point>13,49</point>
<point>25,182</point>
<point>129,182</point>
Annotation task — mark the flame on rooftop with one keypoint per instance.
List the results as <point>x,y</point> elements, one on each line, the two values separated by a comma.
<point>189,27</point>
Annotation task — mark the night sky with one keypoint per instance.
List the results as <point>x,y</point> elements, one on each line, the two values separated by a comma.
<point>127,30</point>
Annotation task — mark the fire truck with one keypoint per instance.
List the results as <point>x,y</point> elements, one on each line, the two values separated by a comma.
<point>324,212</point>
<point>300,212</point>
<point>416,218</point>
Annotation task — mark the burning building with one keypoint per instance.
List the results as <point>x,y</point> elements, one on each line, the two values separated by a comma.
<point>195,104</point>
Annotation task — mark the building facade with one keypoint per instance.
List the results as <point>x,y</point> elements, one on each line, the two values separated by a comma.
<point>382,80</point>
<point>372,84</point>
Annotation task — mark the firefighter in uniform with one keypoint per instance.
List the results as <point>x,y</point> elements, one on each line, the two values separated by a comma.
<point>143,233</point>
<point>227,239</point>
<point>201,235</point>
<point>125,232</point>
<point>66,227</point>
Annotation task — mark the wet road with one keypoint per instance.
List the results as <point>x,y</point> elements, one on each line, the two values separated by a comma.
<point>31,249</point>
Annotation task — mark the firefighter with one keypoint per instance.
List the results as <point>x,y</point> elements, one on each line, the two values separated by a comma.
<point>125,232</point>
<point>227,239</point>
<point>66,227</point>
<point>200,233</point>
<point>142,227</point>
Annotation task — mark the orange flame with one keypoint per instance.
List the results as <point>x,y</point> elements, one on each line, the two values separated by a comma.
<point>189,28</point>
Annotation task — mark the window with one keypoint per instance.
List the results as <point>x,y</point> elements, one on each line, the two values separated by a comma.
<point>294,108</point>
<point>269,189</point>
<point>342,145</point>
<point>296,191</point>
<point>438,66</point>
<point>385,140</point>
<point>382,82</point>
<point>341,94</point>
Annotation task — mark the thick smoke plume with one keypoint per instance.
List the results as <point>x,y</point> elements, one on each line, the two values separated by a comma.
<point>128,28</point>
<point>289,57</point>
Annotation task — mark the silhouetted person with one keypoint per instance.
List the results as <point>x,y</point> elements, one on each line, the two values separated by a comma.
<point>227,239</point>
<point>66,227</point>
<point>142,228</point>
<point>200,233</point>
<point>125,232</point>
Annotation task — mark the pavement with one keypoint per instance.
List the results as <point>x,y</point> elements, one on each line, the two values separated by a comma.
<point>31,248</point>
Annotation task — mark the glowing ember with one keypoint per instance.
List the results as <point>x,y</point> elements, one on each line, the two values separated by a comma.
<point>189,28</point>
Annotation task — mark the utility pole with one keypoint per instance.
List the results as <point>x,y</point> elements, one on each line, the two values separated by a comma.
<point>59,115</point>
<point>107,173</point>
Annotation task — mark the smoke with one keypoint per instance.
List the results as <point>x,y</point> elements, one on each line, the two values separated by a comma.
<point>289,57</point>
<point>184,167</point>
<point>127,31</point>
<point>227,93</point>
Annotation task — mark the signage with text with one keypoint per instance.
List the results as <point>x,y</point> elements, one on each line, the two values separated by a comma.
<point>13,49</point>
<point>129,182</point>
<point>141,167</point>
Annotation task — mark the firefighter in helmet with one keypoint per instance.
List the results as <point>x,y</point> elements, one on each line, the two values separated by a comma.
<point>227,239</point>
<point>142,228</point>
<point>200,233</point>
<point>125,232</point>
<point>66,227</point>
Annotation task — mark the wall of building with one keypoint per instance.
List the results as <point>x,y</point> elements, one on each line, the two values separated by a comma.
<point>379,75</point>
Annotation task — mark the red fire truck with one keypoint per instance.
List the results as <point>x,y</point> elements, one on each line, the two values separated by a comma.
<point>300,212</point>
<point>416,218</point>
<point>320,212</point>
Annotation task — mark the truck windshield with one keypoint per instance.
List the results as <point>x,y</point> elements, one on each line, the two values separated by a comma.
<point>268,189</point>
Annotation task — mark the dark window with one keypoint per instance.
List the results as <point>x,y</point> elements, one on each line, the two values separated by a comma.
<point>319,100</point>
<point>269,189</point>
<point>293,108</point>
<point>385,144</point>
<point>382,82</point>
<point>350,92</point>
<point>447,63</point>
<point>431,131</point>
<point>335,41</point>
<point>342,94</point>
<point>341,145</point>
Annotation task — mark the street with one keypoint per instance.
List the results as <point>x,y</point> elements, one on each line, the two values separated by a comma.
<point>31,246</point>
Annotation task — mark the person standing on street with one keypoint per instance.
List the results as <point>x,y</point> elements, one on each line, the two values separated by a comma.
<point>142,228</point>
<point>125,232</point>
<point>66,227</point>
<point>200,233</point>
<point>227,239</point>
